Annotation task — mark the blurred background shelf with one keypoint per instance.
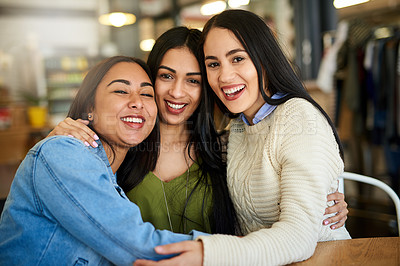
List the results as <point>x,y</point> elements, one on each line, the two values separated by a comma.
<point>64,75</point>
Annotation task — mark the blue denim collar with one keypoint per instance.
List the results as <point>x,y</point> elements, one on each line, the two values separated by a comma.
<point>264,111</point>
<point>99,151</point>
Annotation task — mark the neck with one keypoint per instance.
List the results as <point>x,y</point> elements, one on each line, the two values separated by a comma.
<point>173,133</point>
<point>252,111</point>
<point>174,139</point>
<point>117,157</point>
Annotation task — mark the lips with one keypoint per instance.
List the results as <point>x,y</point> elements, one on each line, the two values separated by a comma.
<point>134,121</point>
<point>233,92</point>
<point>175,107</point>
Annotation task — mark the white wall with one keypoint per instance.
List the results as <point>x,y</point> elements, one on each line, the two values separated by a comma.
<point>28,34</point>
<point>51,32</point>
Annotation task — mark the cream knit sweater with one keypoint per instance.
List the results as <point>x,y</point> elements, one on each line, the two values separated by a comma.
<point>279,174</point>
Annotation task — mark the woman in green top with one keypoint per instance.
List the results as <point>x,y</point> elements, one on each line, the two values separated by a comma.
<point>186,189</point>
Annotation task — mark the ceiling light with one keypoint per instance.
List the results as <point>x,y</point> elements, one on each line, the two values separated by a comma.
<point>117,19</point>
<point>212,8</point>
<point>147,45</point>
<point>238,3</point>
<point>346,3</point>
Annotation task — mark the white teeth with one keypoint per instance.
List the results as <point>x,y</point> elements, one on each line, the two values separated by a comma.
<point>132,119</point>
<point>233,90</point>
<point>175,106</point>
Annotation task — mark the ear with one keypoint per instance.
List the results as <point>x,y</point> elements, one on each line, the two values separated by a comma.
<point>90,117</point>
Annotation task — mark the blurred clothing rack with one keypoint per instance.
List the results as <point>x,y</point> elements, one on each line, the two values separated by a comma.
<point>368,90</point>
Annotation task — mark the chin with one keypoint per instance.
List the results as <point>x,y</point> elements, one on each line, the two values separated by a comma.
<point>233,109</point>
<point>133,142</point>
<point>127,142</point>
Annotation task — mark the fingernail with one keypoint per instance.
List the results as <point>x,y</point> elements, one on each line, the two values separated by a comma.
<point>96,137</point>
<point>87,144</point>
<point>95,144</point>
<point>326,222</point>
<point>71,136</point>
<point>158,249</point>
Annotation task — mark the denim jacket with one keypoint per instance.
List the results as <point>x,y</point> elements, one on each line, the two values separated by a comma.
<point>65,208</point>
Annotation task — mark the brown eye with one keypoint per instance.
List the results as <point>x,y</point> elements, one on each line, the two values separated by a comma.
<point>237,59</point>
<point>212,65</point>
<point>120,92</point>
<point>166,76</point>
<point>194,81</point>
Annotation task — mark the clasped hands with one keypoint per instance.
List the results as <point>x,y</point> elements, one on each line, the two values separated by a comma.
<point>190,253</point>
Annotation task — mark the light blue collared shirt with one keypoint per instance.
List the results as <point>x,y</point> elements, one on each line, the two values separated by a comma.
<point>264,111</point>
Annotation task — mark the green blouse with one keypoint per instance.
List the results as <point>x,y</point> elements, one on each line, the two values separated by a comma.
<point>149,196</point>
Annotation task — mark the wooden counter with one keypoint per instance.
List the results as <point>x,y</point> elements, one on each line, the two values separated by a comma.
<point>383,251</point>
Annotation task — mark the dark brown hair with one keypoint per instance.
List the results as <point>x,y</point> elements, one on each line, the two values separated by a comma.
<point>273,68</point>
<point>140,159</point>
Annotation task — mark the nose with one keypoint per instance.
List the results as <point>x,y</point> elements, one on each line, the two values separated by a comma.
<point>226,73</point>
<point>177,90</point>
<point>135,101</point>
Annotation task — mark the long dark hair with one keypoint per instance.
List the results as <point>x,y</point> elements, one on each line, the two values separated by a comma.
<point>140,159</point>
<point>273,68</point>
<point>203,137</point>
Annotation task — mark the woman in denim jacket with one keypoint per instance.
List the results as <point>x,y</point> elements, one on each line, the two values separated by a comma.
<point>65,206</point>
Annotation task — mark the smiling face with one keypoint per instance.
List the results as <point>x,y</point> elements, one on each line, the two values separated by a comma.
<point>125,110</point>
<point>178,86</point>
<point>231,73</point>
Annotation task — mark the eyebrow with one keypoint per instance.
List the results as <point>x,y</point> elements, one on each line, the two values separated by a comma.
<point>174,71</point>
<point>120,81</point>
<point>145,84</point>
<point>168,68</point>
<point>193,74</point>
<point>127,82</point>
<point>231,52</point>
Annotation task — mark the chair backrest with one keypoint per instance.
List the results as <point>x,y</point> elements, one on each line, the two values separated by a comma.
<point>374,182</point>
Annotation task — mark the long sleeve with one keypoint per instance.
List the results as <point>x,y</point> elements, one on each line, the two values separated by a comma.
<point>74,187</point>
<point>279,174</point>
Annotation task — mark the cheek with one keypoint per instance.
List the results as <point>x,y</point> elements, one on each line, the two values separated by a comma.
<point>211,76</point>
<point>216,90</point>
<point>212,81</point>
<point>161,87</point>
<point>251,73</point>
<point>160,93</point>
<point>196,96</point>
<point>152,110</point>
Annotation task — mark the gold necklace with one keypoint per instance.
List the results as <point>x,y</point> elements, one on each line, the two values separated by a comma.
<point>166,203</point>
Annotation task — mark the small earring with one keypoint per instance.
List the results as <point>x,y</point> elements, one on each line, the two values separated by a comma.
<point>89,116</point>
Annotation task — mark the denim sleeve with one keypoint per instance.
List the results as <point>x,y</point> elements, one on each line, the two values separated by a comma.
<point>73,186</point>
